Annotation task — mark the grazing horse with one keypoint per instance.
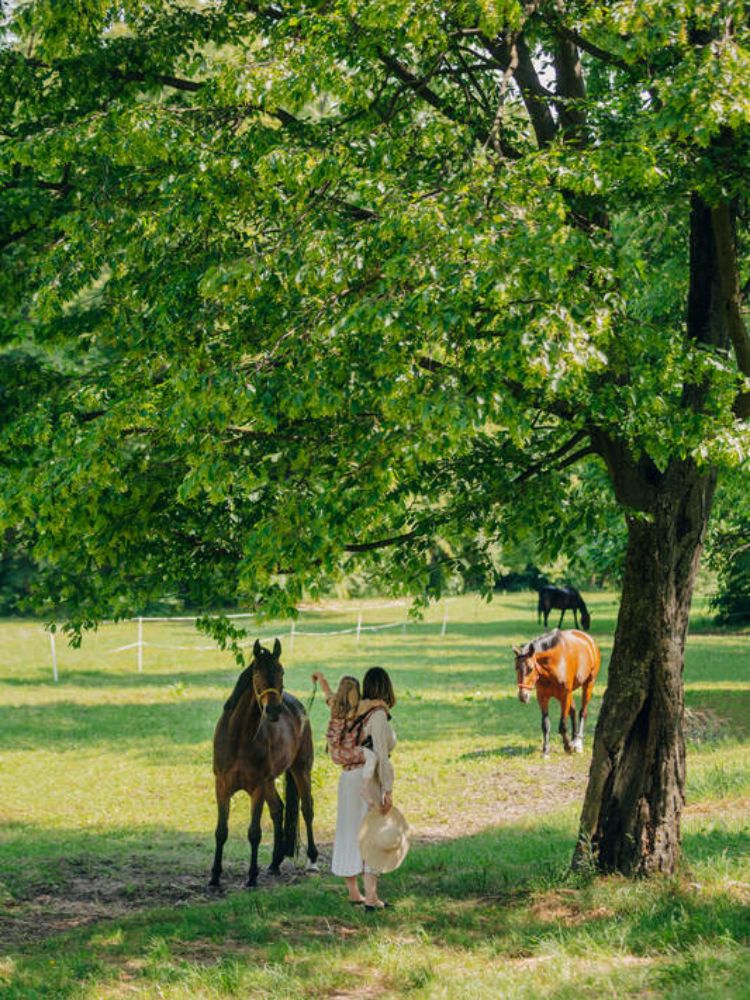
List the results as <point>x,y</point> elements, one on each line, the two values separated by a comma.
<point>562,599</point>
<point>556,665</point>
<point>264,732</point>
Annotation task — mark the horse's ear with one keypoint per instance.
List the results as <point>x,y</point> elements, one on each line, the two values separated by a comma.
<point>276,650</point>
<point>517,650</point>
<point>257,648</point>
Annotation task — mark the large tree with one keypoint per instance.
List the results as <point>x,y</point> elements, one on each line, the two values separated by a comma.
<point>304,284</point>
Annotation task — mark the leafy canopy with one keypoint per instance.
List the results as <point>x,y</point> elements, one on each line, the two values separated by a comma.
<point>284,281</point>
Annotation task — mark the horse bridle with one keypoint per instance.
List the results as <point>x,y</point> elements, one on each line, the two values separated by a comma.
<point>268,690</point>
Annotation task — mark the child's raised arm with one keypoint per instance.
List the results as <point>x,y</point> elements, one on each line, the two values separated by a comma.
<point>325,687</point>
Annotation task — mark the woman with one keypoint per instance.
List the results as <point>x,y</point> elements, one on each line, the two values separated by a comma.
<point>356,796</point>
<point>377,788</point>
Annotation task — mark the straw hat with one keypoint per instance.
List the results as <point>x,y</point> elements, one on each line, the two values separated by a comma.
<point>384,839</point>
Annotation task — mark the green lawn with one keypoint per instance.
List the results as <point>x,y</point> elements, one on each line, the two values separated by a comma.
<point>107,815</point>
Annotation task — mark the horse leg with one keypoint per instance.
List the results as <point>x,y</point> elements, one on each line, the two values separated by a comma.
<point>257,799</point>
<point>573,731</point>
<point>276,809</point>
<point>586,692</point>
<point>222,832</point>
<point>562,615</point>
<point>566,706</point>
<point>543,700</point>
<point>301,775</point>
<point>575,617</point>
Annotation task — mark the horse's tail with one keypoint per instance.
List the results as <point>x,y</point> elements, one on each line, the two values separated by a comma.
<point>291,817</point>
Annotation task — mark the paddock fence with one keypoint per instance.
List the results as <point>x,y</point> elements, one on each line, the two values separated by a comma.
<point>290,631</point>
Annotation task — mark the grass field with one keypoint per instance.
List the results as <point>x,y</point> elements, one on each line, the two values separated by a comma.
<point>107,816</point>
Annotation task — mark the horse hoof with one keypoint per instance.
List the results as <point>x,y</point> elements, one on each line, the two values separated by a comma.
<point>214,885</point>
<point>578,747</point>
<point>274,870</point>
<point>311,868</point>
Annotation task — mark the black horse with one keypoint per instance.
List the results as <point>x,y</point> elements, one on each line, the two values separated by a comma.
<point>563,599</point>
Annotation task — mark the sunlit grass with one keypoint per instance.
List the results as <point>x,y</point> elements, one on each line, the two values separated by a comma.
<point>105,782</point>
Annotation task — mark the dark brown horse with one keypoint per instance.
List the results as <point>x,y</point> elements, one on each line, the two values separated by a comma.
<point>557,665</point>
<point>264,732</point>
<point>563,599</point>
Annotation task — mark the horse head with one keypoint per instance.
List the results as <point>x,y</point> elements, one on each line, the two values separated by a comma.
<point>527,670</point>
<point>268,679</point>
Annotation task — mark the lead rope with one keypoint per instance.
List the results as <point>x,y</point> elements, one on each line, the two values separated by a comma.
<point>311,699</point>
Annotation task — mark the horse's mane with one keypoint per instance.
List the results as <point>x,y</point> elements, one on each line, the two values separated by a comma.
<point>244,683</point>
<point>544,642</point>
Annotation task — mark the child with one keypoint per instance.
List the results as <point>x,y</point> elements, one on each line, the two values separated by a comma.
<point>347,710</point>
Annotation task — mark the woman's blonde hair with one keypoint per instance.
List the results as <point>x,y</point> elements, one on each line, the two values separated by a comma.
<point>346,699</point>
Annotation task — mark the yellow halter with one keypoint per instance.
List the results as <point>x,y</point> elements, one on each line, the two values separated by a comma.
<point>268,690</point>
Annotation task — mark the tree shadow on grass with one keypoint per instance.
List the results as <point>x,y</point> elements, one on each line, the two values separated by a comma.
<point>509,751</point>
<point>509,885</point>
<point>166,730</point>
<point>220,677</point>
<point>66,725</point>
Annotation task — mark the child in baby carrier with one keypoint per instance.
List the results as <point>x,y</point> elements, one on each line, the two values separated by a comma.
<point>349,713</point>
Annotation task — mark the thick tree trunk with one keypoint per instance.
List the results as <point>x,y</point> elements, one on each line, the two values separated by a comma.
<point>631,815</point>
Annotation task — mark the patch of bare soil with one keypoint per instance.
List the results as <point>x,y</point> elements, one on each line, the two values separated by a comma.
<point>84,897</point>
<point>703,725</point>
<point>564,907</point>
<point>547,785</point>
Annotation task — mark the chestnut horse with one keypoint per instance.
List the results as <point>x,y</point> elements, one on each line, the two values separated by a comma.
<point>556,665</point>
<point>264,732</point>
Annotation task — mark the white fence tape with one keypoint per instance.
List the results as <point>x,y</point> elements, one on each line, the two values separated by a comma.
<point>294,631</point>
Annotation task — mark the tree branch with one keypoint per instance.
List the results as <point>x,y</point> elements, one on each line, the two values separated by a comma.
<point>729,278</point>
<point>558,453</point>
<point>382,543</point>
<point>593,50</point>
<point>571,89</point>
<point>419,85</point>
<point>164,80</point>
<point>535,96</point>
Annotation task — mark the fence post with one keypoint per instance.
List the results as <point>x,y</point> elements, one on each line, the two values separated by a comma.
<point>291,638</point>
<point>140,644</point>
<point>445,619</point>
<point>54,656</point>
<point>359,624</point>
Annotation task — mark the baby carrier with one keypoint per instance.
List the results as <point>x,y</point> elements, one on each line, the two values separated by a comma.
<point>344,740</point>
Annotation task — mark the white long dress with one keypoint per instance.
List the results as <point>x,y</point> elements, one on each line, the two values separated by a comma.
<point>352,809</point>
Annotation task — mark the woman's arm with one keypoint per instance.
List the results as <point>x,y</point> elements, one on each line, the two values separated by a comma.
<point>379,731</point>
